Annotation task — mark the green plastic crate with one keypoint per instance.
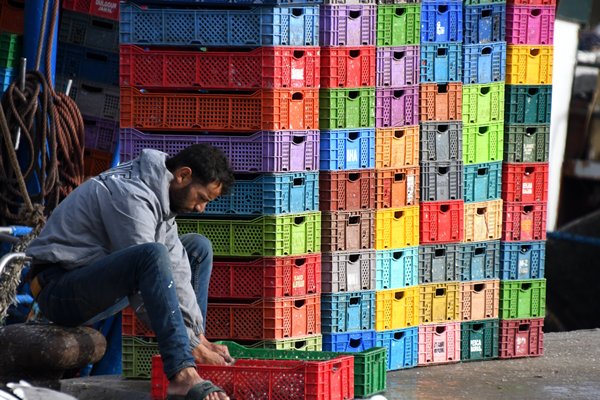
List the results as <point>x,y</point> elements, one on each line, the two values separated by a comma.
<point>369,365</point>
<point>526,143</point>
<point>483,143</point>
<point>483,104</point>
<point>270,235</point>
<point>346,108</point>
<point>398,24</point>
<point>523,299</point>
<point>10,49</point>
<point>479,340</point>
<point>137,357</point>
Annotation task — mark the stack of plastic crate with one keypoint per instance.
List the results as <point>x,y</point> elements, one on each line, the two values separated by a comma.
<point>529,35</point>
<point>88,54</point>
<point>347,175</point>
<point>441,207</point>
<point>11,38</point>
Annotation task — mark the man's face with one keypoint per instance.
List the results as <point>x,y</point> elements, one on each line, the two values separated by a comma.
<point>192,197</point>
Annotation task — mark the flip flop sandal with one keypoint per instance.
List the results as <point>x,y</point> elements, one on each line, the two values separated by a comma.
<point>197,392</point>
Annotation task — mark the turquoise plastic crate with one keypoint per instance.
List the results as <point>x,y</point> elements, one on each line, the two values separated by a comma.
<point>345,149</point>
<point>347,312</point>
<point>402,347</point>
<point>396,269</point>
<point>482,181</point>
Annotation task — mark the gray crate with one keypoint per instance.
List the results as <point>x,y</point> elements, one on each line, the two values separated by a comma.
<point>479,261</point>
<point>348,271</point>
<point>93,99</point>
<point>89,31</point>
<point>441,141</point>
<point>439,263</point>
<point>441,180</point>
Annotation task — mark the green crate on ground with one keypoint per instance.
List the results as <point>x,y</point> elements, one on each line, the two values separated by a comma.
<point>10,50</point>
<point>483,104</point>
<point>346,108</point>
<point>269,235</point>
<point>398,24</point>
<point>479,340</point>
<point>523,299</point>
<point>369,365</point>
<point>483,143</point>
<point>137,357</point>
<point>526,143</point>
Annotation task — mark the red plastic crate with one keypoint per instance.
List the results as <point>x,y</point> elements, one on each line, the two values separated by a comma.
<point>12,16</point>
<point>397,188</point>
<point>269,109</point>
<point>96,161</point>
<point>271,318</point>
<point>265,277</point>
<point>133,326</point>
<point>348,190</point>
<point>347,230</point>
<point>530,24</point>
<point>440,102</point>
<point>347,66</point>
<point>99,8</point>
<point>272,379</point>
<point>442,221</point>
<point>523,221</point>
<point>263,67</point>
<point>521,338</point>
<point>526,182</point>
<point>533,2</point>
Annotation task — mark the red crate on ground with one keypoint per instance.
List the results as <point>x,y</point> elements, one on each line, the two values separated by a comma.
<point>521,338</point>
<point>274,318</point>
<point>530,24</point>
<point>272,379</point>
<point>397,147</point>
<point>133,326</point>
<point>96,161</point>
<point>440,102</point>
<point>347,66</point>
<point>348,190</point>
<point>269,109</point>
<point>99,8</point>
<point>526,182</point>
<point>12,16</point>
<point>347,230</point>
<point>441,221</point>
<point>397,187</point>
<point>523,221</point>
<point>263,67</point>
<point>265,277</point>
<point>439,344</point>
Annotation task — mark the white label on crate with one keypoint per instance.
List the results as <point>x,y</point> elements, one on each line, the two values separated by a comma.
<point>439,29</point>
<point>528,149</point>
<point>439,347</point>
<point>527,188</point>
<point>353,281</point>
<point>351,155</point>
<point>476,346</point>
<point>106,6</point>
<point>410,188</point>
<point>297,74</point>
<point>298,281</point>
<point>524,267</point>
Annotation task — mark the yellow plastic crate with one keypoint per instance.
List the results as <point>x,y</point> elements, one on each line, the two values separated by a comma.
<point>483,221</point>
<point>439,302</point>
<point>397,147</point>
<point>529,65</point>
<point>397,228</point>
<point>397,308</point>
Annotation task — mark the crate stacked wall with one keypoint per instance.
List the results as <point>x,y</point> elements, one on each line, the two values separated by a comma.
<point>11,41</point>
<point>529,35</point>
<point>88,54</point>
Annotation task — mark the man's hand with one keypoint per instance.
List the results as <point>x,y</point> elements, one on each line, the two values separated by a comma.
<point>220,349</point>
<point>204,355</point>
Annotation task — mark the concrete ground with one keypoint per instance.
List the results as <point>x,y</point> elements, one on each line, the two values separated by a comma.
<point>569,369</point>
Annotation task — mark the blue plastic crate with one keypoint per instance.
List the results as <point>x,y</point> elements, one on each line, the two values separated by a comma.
<point>484,23</point>
<point>74,61</point>
<point>482,181</point>
<point>441,62</point>
<point>441,21</point>
<point>343,149</point>
<point>479,261</point>
<point>484,63</point>
<point>257,26</point>
<point>397,269</point>
<point>402,347</point>
<point>347,312</point>
<point>6,78</point>
<point>229,2</point>
<point>349,342</point>
<point>522,260</point>
<point>270,194</point>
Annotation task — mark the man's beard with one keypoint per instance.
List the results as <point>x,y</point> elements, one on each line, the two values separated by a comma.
<point>177,200</point>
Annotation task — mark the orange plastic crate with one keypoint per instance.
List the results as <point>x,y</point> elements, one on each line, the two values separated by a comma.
<point>133,326</point>
<point>96,161</point>
<point>397,147</point>
<point>273,109</point>
<point>440,102</point>
<point>348,190</point>
<point>347,66</point>
<point>480,299</point>
<point>397,188</point>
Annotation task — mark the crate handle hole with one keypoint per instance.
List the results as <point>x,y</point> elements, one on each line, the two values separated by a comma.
<point>533,91</point>
<point>299,303</point>
<point>354,301</point>
<point>399,11</point>
<point>17,4</point>
<point>353,14</point>
<point>397,255</point>
<point>479,251</point>
<point>297,12</point>
<point>353,177</point>
<point>525,249</point>
<point>354,220</point>
<point>353,258</point>
<point>530,131</point>
<point>89,122</point>
<point>486,51</point>
<point>398,134</point>
<point>298,181</point>
<point>300,261</point>
<point>482,171</point>
<point>297,96</point>
<point>440,253</point>
<point>398,93</point>
<point>442,51</point>
<point>481,210</point>
<point>90,88</point>
<point>523,327</point>
<point>477,327</point>
<point>529,170</point>
<point>353,135</point>
<point>399,55</point>
<point>399,177</point>
<point>483,130</point>
<point>298,54</point>
<point>355,343</point>
<point>486,13</point>
<point>443,8</point>
<point>399,295</point>
<point>484,90</point>
<point>478,287</point>
<point>442,88</point>
<point>536,12</point>
<point>299,220</point>
<point>534,52</point>
<point>443,170</point>
<point>298,139</point>
<point>300,344</point>
<point>96,56</point>
<point>527,209</point>
<point>398,214</point>
<point>442,128</point>
<point>440,292</point>
<point>353,94</point>
<point>354,53</point>
<point>444,208</point>
<point>526,286</point>
<point>440,329</point>
<point>104,25</point>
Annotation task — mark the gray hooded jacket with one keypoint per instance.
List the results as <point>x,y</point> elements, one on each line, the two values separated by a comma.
<point>125,206</point>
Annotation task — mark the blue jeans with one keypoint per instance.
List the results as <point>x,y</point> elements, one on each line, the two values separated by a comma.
<point>100,289</point>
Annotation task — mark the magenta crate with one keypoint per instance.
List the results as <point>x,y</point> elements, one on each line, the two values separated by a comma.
<point>530,24</point>
<point>263,151</point>
<point>397,107</point>
<point>100,134</point>
<point>439,344</point>
<point>397,66</point>
<point>347,25</point>
<point>347,66</point>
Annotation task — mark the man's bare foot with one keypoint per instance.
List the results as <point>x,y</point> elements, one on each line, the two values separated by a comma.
<point>220,349</point>
<point>185,379</point>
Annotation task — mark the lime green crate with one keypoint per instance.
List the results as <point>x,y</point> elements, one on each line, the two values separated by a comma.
<point>137,357</point>
<point>10,49</point>
<point>269,235</point>
<point>483,104</point>
<point>346,108</point>
<point>523,299</point>
<point>369,365</point>
<point>483,143</point>
<point>398,24</point>
<point>306,343</point>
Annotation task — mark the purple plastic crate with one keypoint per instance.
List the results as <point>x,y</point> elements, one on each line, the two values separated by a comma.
<point>397,107</point>
<point>397,66</point>
<point>530,24</point>
<point>263,151</point>
<point>100,134</point>
<point>347,25</point>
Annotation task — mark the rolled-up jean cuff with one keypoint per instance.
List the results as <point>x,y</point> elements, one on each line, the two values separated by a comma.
<point>184,365</point>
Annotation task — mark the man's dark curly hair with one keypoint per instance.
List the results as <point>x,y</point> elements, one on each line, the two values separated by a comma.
<point>208,165</point>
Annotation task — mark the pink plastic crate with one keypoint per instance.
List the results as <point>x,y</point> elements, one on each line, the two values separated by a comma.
<point>347,25</point>
<point>521,338</point>
<point>398,66</point>
<point>525,182</point>
<point>397,107</point>
<point>347,66</point>
<point>523,221</point>
<point>530,24</point>
<point>441,221</point>
<point>439,344</point>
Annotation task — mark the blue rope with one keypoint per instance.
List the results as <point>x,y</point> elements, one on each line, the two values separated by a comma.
<point>571,237</point>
